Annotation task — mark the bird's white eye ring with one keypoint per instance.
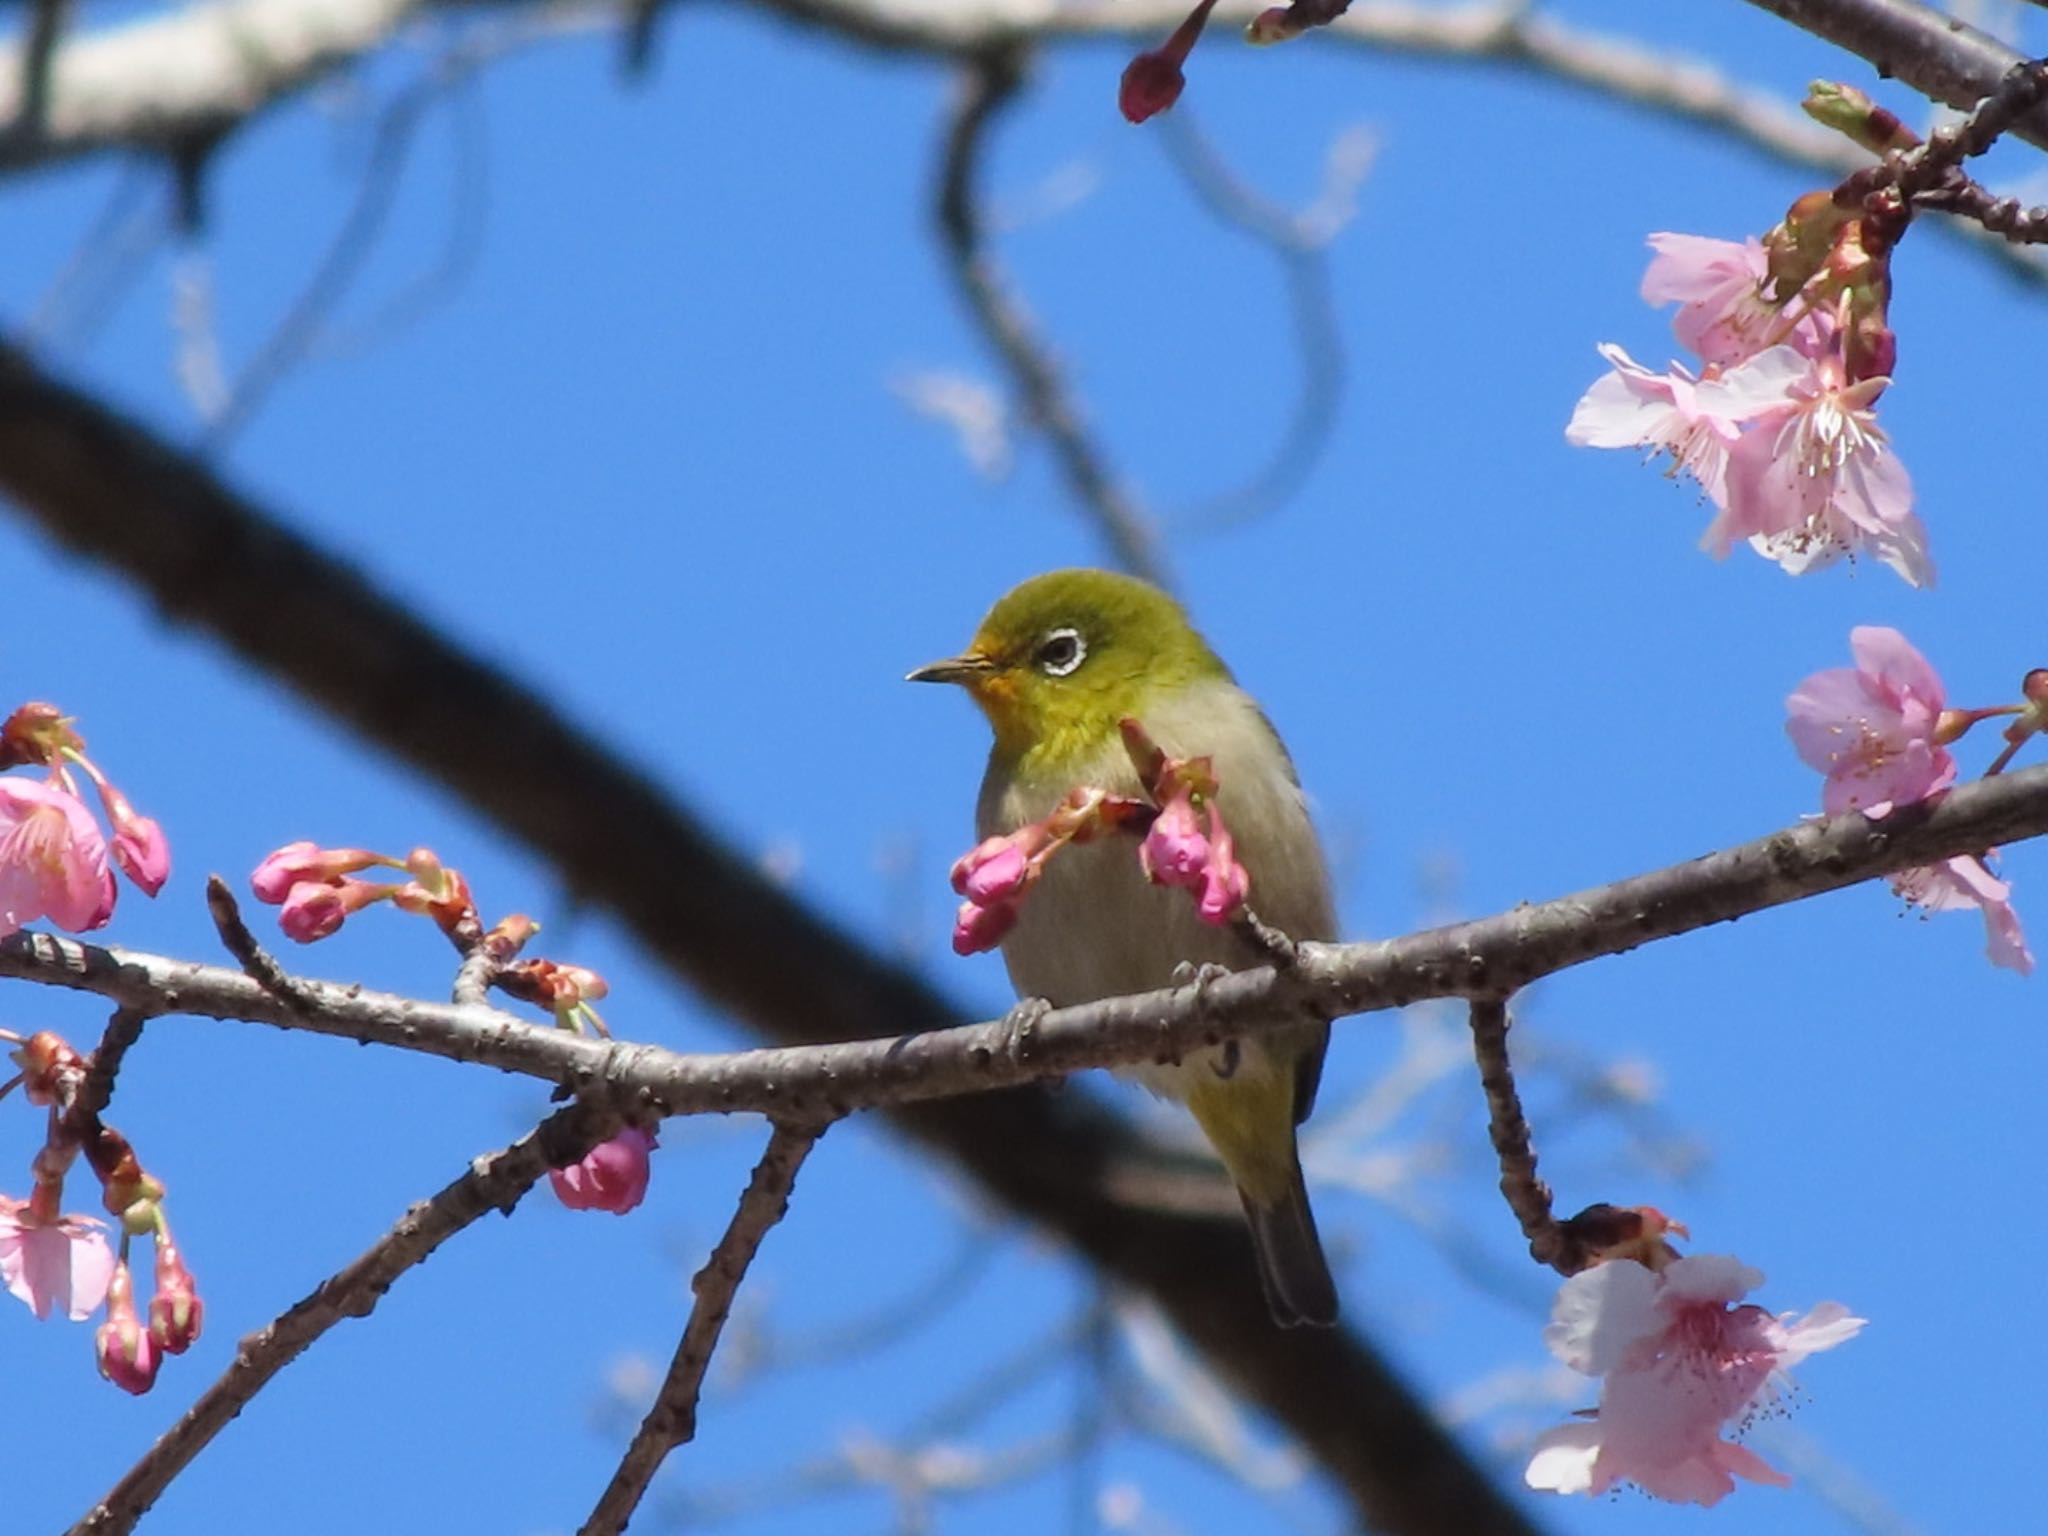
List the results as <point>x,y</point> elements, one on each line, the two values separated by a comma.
<point>1060,652</point>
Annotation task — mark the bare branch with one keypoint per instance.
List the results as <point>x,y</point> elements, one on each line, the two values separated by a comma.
<point>1527,1195</point>
<point>672,1421</point>
<point>104,1064</point>
<point>1299,243</point>
<point>986,86</point>
<point>492,1183</point>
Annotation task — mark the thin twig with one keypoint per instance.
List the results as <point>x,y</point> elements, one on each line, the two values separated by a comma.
<point>987,84</point>
<point>1302,250</point>
<point>672,1421</point>
<point>103,1066</point>
<point>492,1183</point>
<point>1527,1195</point>
<point>257,963</point>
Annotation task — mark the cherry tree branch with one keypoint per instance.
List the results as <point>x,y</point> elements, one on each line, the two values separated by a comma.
<point>985,87</point>
<point>1941,56</point>
<point>672,1421</point>
<point>492,1183</point>
<point>1508,1128</point>
<point>1483,959</point>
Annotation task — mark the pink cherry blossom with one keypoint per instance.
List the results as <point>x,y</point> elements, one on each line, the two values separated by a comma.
<point>49,1264</point>
<point>128,1354</point>
<point>1718,288</point>
<point>612,1176</point>
<point>1871,728</point>
<point>53,860</point>
<point>1679,1361</point>
<point>1965,882</point>
<point>1631,407</point>
<point>1176,850</point>
<point>1813,477</point>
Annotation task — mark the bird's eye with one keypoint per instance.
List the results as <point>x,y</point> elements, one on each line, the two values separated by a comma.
<point>1060,652</point>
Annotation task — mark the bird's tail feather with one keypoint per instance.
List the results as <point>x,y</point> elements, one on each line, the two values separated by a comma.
<point>1292,1270</point>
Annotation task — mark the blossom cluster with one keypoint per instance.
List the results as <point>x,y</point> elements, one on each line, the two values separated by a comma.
<point>1185,844</point>
<point>57,1262</point>
<point>1778,422</point>
<point>317,889</point>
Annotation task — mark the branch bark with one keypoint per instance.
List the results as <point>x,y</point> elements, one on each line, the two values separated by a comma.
<point>1941,56</point>
<point>105,487</point>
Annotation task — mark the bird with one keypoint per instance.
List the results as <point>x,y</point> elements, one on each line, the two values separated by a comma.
<point>1056,666</point>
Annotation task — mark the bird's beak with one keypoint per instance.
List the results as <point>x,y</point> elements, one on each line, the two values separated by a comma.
<point>954,669</point>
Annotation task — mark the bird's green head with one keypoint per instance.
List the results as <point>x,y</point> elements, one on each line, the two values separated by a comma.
<point>1062,658</point>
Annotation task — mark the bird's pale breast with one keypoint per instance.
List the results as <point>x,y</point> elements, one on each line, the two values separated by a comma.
<point>1095,927</point>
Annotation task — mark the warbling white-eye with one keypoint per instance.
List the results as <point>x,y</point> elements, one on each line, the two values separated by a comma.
<point>1058,663</point>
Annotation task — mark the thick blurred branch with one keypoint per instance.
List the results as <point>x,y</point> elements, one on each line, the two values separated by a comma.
<point>106,488</point>
<point>198,72</point>
<point>492,1183</point>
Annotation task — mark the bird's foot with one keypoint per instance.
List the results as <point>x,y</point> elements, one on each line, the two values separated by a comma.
<point>1201,978</point>
<point>1020,1027</point>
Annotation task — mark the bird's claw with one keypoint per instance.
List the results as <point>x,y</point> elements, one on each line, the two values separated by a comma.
<point>1020,1026</point>
<point>1201,977</point>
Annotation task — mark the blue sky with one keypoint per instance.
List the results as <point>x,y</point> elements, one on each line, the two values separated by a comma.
<point>646,453</point>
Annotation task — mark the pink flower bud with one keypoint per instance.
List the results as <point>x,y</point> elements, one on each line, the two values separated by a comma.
<point>294,863</point>
<point>1153,81</point>
<point>1225,882</point>
<point>994,871</point>
<point>175,1310</point>
<point>976,928</point>
<point>1175,851</point>
<point>313,910</point>
<point>128,1356</point>
<point>142,852</point>
<point>611,1177</point>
